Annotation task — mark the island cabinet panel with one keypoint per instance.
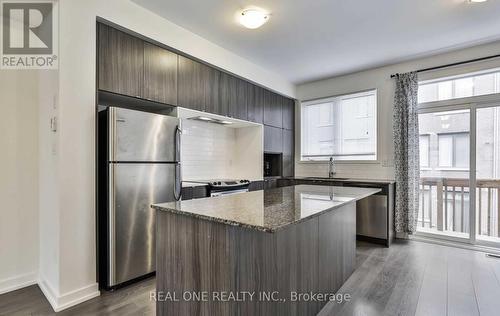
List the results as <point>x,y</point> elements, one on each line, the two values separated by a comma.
<point>288,112</point>
<point>255,103</point>
<point>273,139</point>
<point>297,256</point>
<point>196,255</point>
<point>120,62</point>
<point>288,149</point>
<point>337,239</point>
<point>272,109</point>
<point>160,74</point>
<point>193,77</point>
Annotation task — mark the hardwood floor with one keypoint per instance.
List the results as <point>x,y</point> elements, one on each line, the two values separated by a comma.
<point>410,278</point>
<point>132,300</point>
<point>417,278</point>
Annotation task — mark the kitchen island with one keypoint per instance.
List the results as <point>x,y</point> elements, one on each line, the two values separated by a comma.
<point>257,253</point>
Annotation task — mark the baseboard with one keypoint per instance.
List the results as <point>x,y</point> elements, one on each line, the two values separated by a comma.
<point>17,282</point>
<point>69,299</point>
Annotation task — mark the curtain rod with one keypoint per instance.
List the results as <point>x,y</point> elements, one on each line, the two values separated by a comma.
<point>453,64</point>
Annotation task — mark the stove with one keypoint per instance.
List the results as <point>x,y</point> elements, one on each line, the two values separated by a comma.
<point>218,187</point>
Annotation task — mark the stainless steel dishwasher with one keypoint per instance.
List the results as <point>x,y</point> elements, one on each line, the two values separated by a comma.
<point>374,214</point>
<point>371,217</point>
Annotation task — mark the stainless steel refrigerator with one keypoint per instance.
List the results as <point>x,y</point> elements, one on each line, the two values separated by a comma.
<point>139,164</point>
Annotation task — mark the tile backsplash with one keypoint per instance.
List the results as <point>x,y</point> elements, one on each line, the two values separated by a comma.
<point>211,151</point>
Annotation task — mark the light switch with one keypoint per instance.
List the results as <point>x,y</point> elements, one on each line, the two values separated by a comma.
<point>53,124</point>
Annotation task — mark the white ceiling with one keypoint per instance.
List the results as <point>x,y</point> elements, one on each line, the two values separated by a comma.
<point>312,39</point>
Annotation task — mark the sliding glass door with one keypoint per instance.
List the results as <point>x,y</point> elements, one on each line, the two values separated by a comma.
<point>444,172</point>
<point>460,173</point>
<point>487,175</point>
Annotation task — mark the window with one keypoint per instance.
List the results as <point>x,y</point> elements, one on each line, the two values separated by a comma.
<point>452,150</point>
<point>468,85</point>
<point>424,150</point>
<point>344,127</point>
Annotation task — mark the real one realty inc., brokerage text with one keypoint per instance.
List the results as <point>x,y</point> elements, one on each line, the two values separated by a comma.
<point>243,296</point>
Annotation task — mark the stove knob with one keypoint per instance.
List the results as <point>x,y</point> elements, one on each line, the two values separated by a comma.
<point>215,183</point>
<point>241,181</point>
<point>219,183</point>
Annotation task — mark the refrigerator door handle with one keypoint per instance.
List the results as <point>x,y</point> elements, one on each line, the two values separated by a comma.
<point>178,177</point>
<point>177,143</point>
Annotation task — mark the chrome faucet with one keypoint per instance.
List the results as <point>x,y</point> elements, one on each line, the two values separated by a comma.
<point>331,168</point>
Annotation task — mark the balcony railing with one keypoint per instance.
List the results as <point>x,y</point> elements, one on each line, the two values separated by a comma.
<point>444,205</point>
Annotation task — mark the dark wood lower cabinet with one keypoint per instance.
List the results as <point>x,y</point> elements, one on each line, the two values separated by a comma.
<point>256,186</point>
<point>197,192</point>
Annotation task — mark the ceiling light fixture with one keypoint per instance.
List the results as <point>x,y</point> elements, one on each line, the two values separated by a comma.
<point>253,18</point>
<point>477,1</point>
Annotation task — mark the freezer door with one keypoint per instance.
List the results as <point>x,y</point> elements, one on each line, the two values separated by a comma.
<point>141,136</point>
<point>134,187</point>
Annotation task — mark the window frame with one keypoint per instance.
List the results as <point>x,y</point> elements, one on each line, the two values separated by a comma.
<point>471,74</point>
<point>428,166</point>
<point>454,154</point>
<point>330,99</point>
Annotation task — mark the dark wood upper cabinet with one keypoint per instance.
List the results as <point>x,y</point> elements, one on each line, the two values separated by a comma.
<point>193,77</point>
<point>121,62</point>
<point>237,98</point>
<point>272,109</point>
<point>288,109</point>
<point>288,142</point>
<point>160,74</point>
<point>273,139</point>
<point>255,104</point>
<point>288,153</point>
<point>213,102</point>
<point>233,94</point>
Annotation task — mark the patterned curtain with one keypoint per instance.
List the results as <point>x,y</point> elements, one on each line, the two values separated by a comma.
<point>406,154</point>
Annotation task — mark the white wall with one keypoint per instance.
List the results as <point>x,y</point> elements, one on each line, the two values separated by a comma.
<point>67,169</point>
<point>379,79</point>
<point>18,179</point>
<point>211,151</point>
<point>49,220</point>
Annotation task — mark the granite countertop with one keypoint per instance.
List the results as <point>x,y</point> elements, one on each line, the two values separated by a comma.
<point>269,210</point>
<point>341,179</point>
